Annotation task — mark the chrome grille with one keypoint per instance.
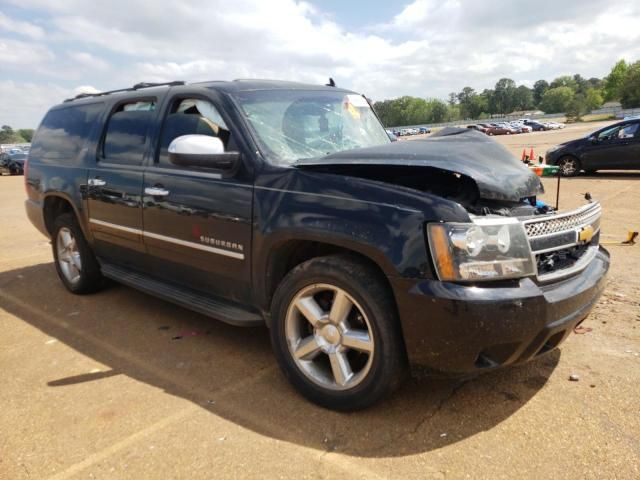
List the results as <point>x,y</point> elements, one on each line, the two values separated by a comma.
<point>560,223</point>
<point>552,236</point>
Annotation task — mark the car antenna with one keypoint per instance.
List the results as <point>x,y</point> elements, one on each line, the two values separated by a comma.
<point>331,83</point>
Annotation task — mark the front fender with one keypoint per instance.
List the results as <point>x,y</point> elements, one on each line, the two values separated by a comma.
<point>380,221</point>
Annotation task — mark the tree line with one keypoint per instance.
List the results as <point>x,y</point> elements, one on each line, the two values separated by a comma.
<point>9,135</point>
<point>570,94</point>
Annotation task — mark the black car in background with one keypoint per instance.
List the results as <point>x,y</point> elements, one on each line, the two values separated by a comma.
<point>12,163</point>
<point>536,126</point>
<point>616,147</point>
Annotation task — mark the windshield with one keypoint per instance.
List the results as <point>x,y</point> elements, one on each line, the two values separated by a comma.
<point>295,124</point>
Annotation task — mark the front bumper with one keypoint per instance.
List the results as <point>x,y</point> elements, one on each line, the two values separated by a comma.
<point>457,329</point>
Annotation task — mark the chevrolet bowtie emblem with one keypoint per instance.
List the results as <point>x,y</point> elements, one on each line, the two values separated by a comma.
<point>586,234</point>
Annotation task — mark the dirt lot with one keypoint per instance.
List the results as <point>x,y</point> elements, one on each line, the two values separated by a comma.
<point>97,386</point>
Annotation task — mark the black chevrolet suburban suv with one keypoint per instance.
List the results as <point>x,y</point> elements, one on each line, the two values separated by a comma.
<point>265,202</point>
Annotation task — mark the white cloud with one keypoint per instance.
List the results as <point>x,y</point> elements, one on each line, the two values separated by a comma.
<point>23,105</point>
<point>16,53</point>
<point>430,48</point>
<point>27,29</point>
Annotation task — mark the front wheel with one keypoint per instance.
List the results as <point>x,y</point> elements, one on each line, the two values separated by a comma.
<point>569,166</point>
<point>335,333</point>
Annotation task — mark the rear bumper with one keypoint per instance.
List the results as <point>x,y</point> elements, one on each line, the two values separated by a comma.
<point>35,213</point>
<point>457,329</point>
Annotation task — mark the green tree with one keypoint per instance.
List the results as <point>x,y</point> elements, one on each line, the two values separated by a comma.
<point>26,133</point>
<point>582,84</point>
<point>595,82</point>
<point>593,99</point>
<point>630,88</point>
<point>613,81</point>
<point>471,105</point>
<point>565,81</point>
<point>439,111</point>
<point>523,98</point>
<point>576,108</point>
<point>539,88</point>
<point>556,100</point>
<point>504,95</point>
<point>8,135</point>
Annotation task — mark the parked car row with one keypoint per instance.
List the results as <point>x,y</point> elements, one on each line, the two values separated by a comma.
<point>402,132</point>
<point>515,127</point>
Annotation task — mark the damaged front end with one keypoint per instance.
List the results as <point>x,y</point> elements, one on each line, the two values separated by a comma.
<point>511,234</point>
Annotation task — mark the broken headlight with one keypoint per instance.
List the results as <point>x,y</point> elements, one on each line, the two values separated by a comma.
<point>487,249</point>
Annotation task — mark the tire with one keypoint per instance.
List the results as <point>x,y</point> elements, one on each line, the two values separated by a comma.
<point>569,166</point>
<point>75,263</point>
<point>355,358</point>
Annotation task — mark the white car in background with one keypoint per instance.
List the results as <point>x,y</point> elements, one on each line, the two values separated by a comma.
<point>555,125</point>
<point>521,127</point>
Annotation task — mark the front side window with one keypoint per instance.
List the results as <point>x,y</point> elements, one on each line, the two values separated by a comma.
<point>294,124</point>
<point>191,116</point>
<point>126,135</point>
<point>608,134</point>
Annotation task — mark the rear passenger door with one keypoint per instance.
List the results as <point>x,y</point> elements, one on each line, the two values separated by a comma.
<point>197,221</point>
<point>114,188</point>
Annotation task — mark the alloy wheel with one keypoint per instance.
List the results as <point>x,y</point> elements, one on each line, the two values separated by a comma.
<point>329,336</point>
<point>69,258</point>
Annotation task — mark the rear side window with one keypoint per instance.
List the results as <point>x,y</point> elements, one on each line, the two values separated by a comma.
<point>63,133</point>
<point>126,134</point>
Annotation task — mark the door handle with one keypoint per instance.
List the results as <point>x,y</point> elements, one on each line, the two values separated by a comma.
<point>96,182</point>
<point>156,191</point>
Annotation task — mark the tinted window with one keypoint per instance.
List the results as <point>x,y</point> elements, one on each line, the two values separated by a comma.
<point>126,135</point>
<point>191,116</point>
<point>63,133</point>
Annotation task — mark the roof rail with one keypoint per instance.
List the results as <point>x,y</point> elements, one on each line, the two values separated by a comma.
<point>137,86</point>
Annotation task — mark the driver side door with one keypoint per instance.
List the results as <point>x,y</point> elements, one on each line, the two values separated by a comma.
<point>612,149</point>
<point>197,221</point>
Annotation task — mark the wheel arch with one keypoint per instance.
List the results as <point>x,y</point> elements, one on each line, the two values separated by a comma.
<point>288,254</point>
<point>56,203</point>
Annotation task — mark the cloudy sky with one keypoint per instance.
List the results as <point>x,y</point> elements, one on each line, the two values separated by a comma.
<point>427,48</point>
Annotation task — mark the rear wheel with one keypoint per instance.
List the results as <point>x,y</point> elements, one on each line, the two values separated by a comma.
<point>335,333</point>
<point>569,166</point>
<point>76,265</point>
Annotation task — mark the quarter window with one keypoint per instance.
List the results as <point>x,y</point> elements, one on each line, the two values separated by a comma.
<point>126,136</point>
<point>63,133</point>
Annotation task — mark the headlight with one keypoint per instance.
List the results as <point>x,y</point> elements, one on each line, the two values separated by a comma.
<point>487,249</point>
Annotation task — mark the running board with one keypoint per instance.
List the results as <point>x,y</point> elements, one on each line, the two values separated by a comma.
<point>212,307</point>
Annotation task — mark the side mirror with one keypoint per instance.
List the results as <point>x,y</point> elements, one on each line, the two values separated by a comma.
<point>202,151</point>
<point>593,139</point>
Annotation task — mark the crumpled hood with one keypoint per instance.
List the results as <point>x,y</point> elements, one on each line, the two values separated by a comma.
<point>497,173</point>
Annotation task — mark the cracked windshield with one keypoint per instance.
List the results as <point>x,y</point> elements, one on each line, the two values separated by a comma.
<point>292,125</point>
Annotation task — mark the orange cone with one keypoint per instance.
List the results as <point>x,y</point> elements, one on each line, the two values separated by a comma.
<point>524,154</point>
<point>531,156</point>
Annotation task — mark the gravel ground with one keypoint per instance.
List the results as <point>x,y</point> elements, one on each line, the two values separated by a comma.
<point>98,386</point>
